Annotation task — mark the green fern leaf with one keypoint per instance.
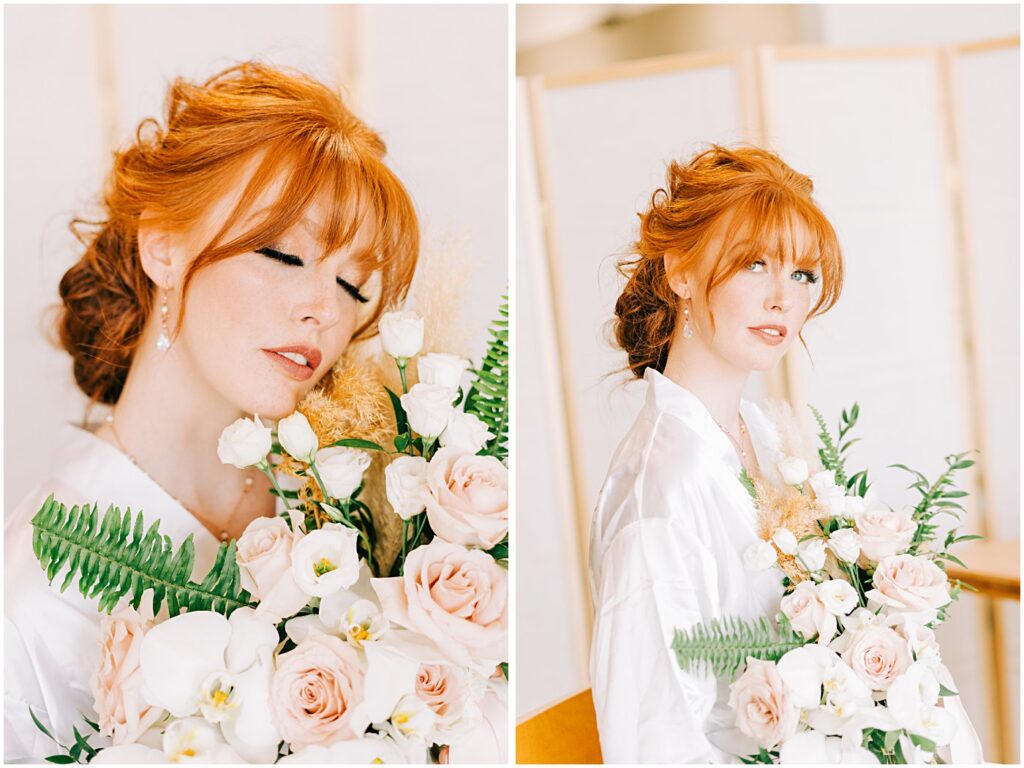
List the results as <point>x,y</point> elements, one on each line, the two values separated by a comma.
<point>723,646</point>
<point>487,398</point>
<point>112,560</point>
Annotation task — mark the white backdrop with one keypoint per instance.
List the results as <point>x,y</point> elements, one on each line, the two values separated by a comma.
<point>79,78</point>
<point>872,129</point>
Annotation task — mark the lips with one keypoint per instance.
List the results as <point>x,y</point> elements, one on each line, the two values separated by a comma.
<point>770,333</point>
<point>299,361</point>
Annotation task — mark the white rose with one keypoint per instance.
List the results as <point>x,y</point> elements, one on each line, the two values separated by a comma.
<point>884,532</point>
<point>823,483</point>
<point>297,437</point>
<point>442,369</point>
<point>853,506</point>
<point>264,557</point>
<point>793,470</point>
<point>845,543</point>
<point>405,480</point>
<point>812,554</point>
<point>401,334</point>
<point>465,432</point>
<point>341,470</point>
<point>838,596</point>
<point>428,407</point>
<point>759,556</point>
<point>244,443</point>
<point>325,560</point>
<point>785,541</point>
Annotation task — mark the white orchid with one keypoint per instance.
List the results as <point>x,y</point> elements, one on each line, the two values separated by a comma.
<point>815,748</point>
<point>201,660</point>
<point>912,700</point>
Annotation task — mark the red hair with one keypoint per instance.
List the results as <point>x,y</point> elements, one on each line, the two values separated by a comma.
<point>758,200</point>
<point>302,133</point>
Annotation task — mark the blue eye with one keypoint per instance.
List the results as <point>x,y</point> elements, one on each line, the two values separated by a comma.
<point>295,261</point>
<point>752,266</point>
<point>805,276</point>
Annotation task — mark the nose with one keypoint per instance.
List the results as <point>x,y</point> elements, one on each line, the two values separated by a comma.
<point>318,304</point>
<point>780,293</point>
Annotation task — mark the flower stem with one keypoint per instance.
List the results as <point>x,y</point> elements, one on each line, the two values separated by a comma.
<point>402,363</point>
<point>265,467</point>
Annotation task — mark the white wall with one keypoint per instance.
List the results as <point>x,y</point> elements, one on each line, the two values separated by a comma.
<point>78,79</point>
<point>856,24</point>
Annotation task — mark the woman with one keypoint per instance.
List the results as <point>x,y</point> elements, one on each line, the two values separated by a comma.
<point>245,243</point>
<point>733,258</point>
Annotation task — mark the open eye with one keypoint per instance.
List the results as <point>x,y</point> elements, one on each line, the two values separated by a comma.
<point>805,276</point>
<point>757,265</point>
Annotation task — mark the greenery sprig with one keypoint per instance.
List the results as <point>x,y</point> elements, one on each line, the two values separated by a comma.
<point>723,645</point>
<point>487,397</point>
<point>112,559</point>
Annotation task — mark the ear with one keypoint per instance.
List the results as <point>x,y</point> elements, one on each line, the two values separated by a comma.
<point>161,252</point>
<point>677,281</point>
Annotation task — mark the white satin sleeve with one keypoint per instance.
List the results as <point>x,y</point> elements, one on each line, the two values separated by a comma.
<point>655,578</point>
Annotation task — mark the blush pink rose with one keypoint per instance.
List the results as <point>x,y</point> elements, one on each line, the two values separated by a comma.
<point>467,500</point>
<point>910,583</point>
<point>445,689</point>
<point>457,597</point>
<point>884,532</point>
<point>316,692</point>
<point>764,709</point>
<point>123,713</point>
<point>264,557</point>
<point>808,614</point>
<point>877,655</point>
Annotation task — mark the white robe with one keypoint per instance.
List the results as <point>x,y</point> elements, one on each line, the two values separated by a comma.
<point>51,640</point>
<point>666,553</point>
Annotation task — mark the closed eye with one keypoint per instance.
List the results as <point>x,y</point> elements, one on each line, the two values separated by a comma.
<point>295,261</point>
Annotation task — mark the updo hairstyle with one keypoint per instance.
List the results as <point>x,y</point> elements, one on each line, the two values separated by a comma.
<point>176,171</point>
<point>760,198</point>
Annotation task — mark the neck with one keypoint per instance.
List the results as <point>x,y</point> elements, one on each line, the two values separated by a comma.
<point>168,419</point>
<point>716,382</point>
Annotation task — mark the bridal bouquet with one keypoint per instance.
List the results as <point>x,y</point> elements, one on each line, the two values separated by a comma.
<point>305,642</point>
<point>849,670</point>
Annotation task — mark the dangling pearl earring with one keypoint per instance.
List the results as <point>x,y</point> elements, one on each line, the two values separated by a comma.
<point>687,330</point>
<point>164,342</point>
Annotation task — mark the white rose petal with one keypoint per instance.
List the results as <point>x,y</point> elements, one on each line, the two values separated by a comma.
<point>405,480</point>
<point>341,470</point>
<point>759,556</point>
<point>812,554</point>
<point>793,470</point>
<point>401,334</point>
<point>838,596</point>
<point>297,437</point>
<point>428,407</point>
<point>326,560</point>
<point>785,541</point>
<point>244,443</point>
<point>845,543</point>
<point>465,432</point>
<point>442,369</point>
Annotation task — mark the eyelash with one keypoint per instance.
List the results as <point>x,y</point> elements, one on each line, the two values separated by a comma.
<point>295,261</point>
<point>809,276</point>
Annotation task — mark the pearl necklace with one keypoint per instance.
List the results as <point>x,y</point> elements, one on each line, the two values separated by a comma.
<point>217,531</point>
<point>735,442</point>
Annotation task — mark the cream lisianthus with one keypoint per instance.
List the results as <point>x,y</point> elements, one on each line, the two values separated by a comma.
<point>845,544</point>
<point>245,443</point>
<point>443,369</point>
<point>465,432</point>
<point>428,407</point>
<point>326,560</point>
<point>401,334</point>
<point>793,470</point>
<point>405,481</point>
<point>341,470</point>
<point>759,556</point>
<point>297,437</point>
<point>785,541</point>
<point>812,554</point>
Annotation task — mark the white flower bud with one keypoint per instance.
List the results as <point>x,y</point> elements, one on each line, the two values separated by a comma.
<point>465,432</point>
<point>297,437</point>
<point>785,541</point>
<point>401,334</point>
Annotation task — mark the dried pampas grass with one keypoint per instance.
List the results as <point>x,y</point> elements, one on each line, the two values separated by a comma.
<point>786,508</point>
<point>793,437</point>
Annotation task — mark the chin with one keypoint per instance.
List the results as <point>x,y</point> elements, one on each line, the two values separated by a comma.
<point>270,404</point>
